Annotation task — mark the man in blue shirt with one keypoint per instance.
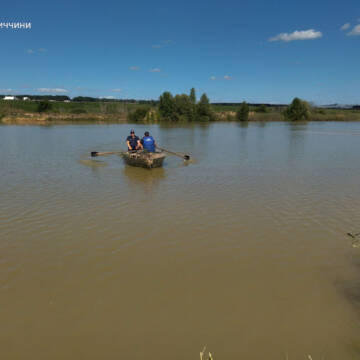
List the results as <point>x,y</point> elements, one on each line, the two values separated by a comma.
<point>133,141</point>
<point>148,142</point>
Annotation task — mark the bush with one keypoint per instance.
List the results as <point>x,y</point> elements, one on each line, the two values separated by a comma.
<point>297,110</point>
<point>261,109</point>
<point>44,106</point>
<point>320,111</point>
<point>139,114</point>
<point>243,113</point>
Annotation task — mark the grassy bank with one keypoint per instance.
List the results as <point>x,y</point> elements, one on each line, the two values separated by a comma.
<point>276,114</point>
<point>26,112</point>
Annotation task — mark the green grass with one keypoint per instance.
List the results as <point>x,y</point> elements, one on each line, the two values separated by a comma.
<point>220,108</point>
<point>115,110</point>
<point>335,115</point>
<point>9,107</point>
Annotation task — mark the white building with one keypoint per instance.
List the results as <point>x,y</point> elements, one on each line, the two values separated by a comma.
<point>9,98</point>
<point>25,98</point>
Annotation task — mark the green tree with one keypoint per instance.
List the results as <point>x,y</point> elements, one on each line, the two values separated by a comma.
<point>184,107</point>
<point>167,106</point>
<point>193,96</point>
<point>203,109</point>
<point>297,110</point>
<point>44,106</point>
<point>243,113</point>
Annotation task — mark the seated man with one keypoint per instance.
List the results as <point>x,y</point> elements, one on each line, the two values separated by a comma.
<point>133,141</point>
<point>148,142</point>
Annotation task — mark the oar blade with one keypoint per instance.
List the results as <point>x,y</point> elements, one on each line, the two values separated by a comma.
<point>94,153</point>
<point>184,156</point>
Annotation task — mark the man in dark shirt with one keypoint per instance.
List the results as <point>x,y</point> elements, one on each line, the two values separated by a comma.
<point>133,142</point>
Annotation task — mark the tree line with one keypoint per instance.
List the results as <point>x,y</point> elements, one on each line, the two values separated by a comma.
<point>186,108</point>
<point>181,107</point>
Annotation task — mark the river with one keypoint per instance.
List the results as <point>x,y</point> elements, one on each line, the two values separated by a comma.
<point>242,250</point>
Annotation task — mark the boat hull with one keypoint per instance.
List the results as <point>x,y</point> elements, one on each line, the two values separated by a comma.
<point>144,159</point>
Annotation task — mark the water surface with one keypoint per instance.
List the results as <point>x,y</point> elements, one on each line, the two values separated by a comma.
<point>244,249</point>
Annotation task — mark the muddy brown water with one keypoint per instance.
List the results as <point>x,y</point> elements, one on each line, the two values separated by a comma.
<point>243,250</point>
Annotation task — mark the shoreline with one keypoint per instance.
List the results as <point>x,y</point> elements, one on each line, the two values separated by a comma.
<point>99,120</point>
<point>48,119</point>
<point>46,113</point>
<point>221,117</point>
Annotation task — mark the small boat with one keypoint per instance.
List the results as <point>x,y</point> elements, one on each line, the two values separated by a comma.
<point>144,159</point>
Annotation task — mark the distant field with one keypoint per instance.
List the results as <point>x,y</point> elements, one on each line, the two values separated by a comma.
<point>118,111</point>
<point>69,108</point>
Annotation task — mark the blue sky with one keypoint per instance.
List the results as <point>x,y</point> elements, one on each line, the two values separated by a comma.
<point>257,51</point>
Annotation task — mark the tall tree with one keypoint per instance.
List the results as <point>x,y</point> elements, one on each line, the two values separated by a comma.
<point>243,113</point>
<point>203,109</point>
<point>297,110</point>
<point>184,107</point>
<point>167,105</point>
<point>193,96</point>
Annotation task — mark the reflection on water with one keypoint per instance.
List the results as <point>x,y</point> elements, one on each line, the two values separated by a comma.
<point>243,250</point>
<point>95,164</point>
<point>148,178</point>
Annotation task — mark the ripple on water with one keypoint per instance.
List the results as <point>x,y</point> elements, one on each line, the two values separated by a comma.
<point>251,236</point>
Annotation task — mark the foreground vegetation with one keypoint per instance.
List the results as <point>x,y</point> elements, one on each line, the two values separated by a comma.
<point>178,108</point>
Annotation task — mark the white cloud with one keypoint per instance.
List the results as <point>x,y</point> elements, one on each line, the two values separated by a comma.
<point>345,26</point>
<point>52,90</point>
<point>117,90</point>
<point>297,35</point>
<point>162,44</point>
<point>155,70</point>
<point>212,77</point>
<point>227,77</point>
<point>107,97</point>
<point>6,90</point>
<point>355,30</point>
<point>33,51</point>
<point>134,68</point>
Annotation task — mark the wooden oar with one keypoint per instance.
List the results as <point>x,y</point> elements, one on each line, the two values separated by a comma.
<point>183,156</point>
<point>97,153</point>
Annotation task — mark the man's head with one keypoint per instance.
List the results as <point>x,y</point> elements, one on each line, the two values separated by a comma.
<point>147,133</point>
<point>132,132</point>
